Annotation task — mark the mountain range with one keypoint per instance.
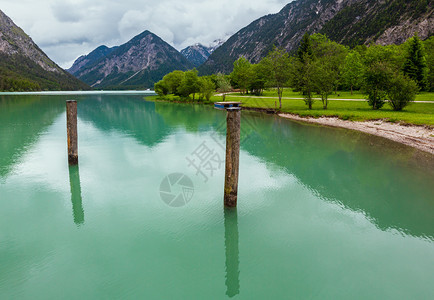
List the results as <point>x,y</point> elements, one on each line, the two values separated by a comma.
<point>350,22</point>
<point>146,58</point>
<point>85,66</point>
<point>139,63</point>
<point>24,66</point>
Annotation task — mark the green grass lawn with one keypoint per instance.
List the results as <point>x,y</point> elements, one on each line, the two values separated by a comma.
<point>424,96</point>
<point>415,113</point>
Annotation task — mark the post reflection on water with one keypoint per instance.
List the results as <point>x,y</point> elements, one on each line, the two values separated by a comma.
<point>232,252</point>
<point>77,202</point>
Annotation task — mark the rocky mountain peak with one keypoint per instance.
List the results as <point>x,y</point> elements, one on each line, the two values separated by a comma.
<point>215,44</point>
<point>90,59</point>
<point>197,54</point>
<point>13,40</point>
<point>25,67</point>
<point>138,63</point>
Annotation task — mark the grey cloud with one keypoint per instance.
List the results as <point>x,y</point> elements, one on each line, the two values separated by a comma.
<point>67,12</point>
<point>66,42</point>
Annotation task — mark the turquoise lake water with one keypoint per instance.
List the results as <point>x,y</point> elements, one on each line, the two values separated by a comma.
<point>323,213</point>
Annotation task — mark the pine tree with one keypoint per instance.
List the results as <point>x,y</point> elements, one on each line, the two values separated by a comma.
<point>415,65</point>
<point>305,49</point>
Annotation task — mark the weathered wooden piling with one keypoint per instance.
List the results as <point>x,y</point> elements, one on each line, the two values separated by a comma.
<point>233,132</point>
<point>233,121</point>
<point>71,125</point>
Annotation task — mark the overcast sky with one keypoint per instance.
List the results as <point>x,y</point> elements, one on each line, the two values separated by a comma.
<point>66,29</point>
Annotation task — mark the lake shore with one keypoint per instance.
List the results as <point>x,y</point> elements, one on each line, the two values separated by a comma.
<point>417,136</point>
<point>420,137</point>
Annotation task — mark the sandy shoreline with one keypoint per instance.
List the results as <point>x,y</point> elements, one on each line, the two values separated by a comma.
<point>415,136</point>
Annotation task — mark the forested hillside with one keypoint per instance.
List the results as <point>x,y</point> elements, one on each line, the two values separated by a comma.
<point>349,22</point>
<point>24,67</point>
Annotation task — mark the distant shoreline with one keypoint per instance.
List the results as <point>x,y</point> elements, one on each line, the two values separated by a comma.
<point>57,93</point>
<point>417,136</point>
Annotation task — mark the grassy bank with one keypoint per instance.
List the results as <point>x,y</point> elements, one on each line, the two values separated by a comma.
<point>415,113</point>
<point>357,95</point>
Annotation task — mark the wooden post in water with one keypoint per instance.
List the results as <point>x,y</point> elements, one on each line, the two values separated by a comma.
<point>233,132</point>
<point>71,126</point>
<point>233,121</point>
